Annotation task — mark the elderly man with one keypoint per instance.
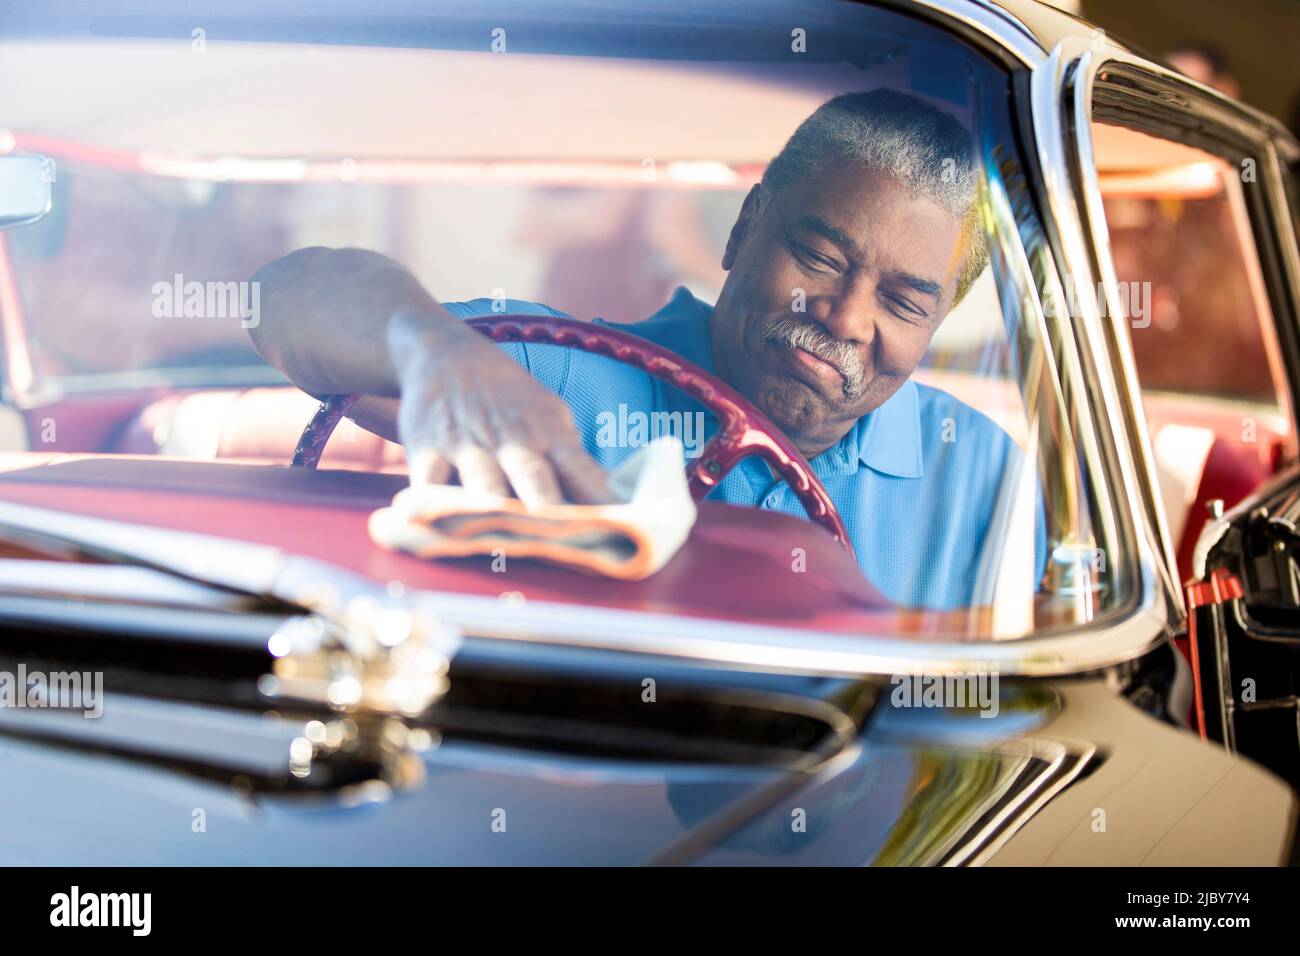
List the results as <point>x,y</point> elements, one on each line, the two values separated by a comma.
<point>842,263</point>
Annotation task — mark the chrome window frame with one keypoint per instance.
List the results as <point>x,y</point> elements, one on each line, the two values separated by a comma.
<point>1105,357</point>
<point>1198,116</point>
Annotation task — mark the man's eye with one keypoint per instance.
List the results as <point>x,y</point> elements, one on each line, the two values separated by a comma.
<point>812,260</point>
<point>905,310</point>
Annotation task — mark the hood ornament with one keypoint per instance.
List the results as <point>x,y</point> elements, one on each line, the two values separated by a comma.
<point>372,657</point>
<point>378,665</point>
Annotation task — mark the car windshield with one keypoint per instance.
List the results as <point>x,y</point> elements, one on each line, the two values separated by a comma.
<point>871,292</point>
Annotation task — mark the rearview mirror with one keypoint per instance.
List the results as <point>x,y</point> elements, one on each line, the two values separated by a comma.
<point>25,189</point>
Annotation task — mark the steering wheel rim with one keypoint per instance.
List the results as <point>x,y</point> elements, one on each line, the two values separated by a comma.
<point>743,429</point>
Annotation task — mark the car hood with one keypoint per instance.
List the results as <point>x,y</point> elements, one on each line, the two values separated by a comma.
<point>914,787</point>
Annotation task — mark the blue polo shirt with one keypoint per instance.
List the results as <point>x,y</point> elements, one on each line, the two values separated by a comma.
<point>917,480</point>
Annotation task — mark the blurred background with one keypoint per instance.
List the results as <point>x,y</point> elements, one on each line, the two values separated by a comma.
<point>1248,48</point>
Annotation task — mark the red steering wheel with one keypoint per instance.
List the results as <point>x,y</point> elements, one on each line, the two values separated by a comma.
<point>743,429</point>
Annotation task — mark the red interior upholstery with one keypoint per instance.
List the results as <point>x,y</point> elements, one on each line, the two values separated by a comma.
<point>1232,471</point>
<point>1242,452</point>
<point>256,424</point>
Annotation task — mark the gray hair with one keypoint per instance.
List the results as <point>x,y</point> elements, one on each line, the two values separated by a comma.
<point>921,146</point>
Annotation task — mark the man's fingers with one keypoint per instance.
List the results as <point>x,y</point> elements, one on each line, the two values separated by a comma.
<point>427,467</point>
<point>585,482</point>
<point>479,471</point>
<point>531,474</point>
<point>536,479</point>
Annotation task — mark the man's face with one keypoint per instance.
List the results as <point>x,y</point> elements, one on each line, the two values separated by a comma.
<point>875,269</point>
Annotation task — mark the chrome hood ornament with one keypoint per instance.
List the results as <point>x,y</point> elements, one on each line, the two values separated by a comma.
<point>373,657</point>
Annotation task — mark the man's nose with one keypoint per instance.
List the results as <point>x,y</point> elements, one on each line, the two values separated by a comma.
<point>849,313</point>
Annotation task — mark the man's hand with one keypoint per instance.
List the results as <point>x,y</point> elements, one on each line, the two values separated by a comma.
<point>468,408</point>
<point>342,321</point>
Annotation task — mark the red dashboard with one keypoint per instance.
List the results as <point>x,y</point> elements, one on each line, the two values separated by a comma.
<point>737,566</point>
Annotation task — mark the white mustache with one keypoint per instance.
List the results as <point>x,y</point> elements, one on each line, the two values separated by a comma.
<point>817,341</point>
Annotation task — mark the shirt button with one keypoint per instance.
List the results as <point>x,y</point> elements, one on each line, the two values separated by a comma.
<point>770,500</point>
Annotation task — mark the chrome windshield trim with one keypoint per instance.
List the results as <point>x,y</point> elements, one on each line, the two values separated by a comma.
<point>1051,388</point>
<point>793,649</point>
<point>1112,393</point>
<point>993,22</point>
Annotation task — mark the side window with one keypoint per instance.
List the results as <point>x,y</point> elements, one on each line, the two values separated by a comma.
<point>1202,331</point>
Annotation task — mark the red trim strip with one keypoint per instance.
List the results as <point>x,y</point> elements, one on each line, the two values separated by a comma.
<point>1222,587</point>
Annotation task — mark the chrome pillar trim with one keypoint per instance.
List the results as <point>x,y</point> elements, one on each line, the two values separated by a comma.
<point>1052,395</point>
<point>1113,393</point>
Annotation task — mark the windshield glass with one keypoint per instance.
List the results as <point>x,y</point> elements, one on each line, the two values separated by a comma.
<point>862,281</point>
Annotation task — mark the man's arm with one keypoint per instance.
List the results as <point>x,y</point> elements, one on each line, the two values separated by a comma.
<point>326,315</point>
<point>347,320</point>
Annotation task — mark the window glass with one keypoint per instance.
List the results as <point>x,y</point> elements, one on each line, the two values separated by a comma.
<point>1202,333</point>
<point>605,173</point>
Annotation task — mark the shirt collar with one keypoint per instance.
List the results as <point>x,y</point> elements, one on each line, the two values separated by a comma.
<point>681,326</point>
<point>889,437</point>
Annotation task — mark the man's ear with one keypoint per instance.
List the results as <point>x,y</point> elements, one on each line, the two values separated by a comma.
<point>749,211</point>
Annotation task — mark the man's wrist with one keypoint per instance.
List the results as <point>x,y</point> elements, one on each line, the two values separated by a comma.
<point>417,336</point>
